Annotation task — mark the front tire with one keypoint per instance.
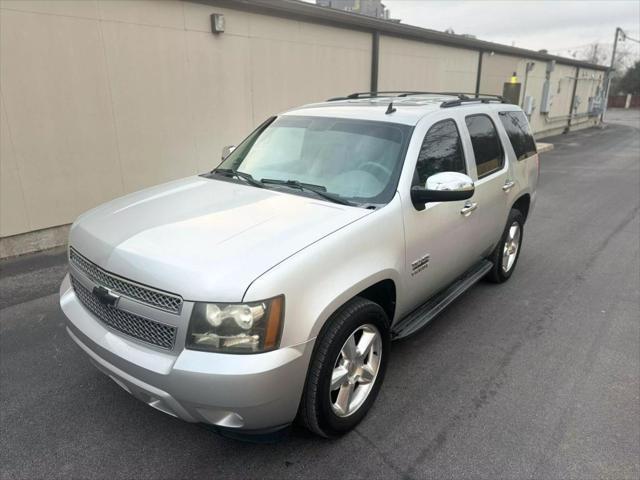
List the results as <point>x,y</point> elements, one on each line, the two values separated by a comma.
<point>506,254</point>
<point>347,368</point>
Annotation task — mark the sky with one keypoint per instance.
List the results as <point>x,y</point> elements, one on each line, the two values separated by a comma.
<point>560,26</point>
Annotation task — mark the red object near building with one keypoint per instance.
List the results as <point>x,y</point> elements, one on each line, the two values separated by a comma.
<point>620,101</point>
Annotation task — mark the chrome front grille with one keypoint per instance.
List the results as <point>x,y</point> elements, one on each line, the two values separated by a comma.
<point>154,298</point>
<point>135,326</point>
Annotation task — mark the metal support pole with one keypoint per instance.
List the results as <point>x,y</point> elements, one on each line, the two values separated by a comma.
<point>573,98</point>
<point>527,68</point>
<point>610,74</point>
<point>615,46</point>
<point>375,60</point>
<point>479,74</point>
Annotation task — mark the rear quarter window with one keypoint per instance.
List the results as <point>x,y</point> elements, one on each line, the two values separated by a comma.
<point>519,133</point>
<point>487,147</point>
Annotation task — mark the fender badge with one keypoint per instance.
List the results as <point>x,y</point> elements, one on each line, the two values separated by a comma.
<point>420,264</point>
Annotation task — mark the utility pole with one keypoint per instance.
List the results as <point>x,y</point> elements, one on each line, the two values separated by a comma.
<point>619,33</point>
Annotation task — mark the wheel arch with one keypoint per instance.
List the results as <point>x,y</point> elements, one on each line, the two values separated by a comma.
<point>384,294</point>
<point>380,288</point>
<point>523,204</point>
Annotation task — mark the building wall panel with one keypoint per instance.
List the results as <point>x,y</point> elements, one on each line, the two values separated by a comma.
<point>104,98</point>
<point>285,74</point>
<point>70,8</point>
<point>411,65</point>
<point>496,70</point>
<point>56,96</point>
<point>13,213</point>
<point>143,12</point>
<point>218,92</point>
<point>149,93</point>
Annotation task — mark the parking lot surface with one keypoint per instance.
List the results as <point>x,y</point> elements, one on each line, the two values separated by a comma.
<point>536,378</point>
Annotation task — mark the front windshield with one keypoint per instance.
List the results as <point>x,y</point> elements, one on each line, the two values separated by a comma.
<point>358,160</point>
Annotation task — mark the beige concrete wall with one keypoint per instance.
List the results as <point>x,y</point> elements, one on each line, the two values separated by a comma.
<point>561,88</point>
<point>496,70</point>
<point>562,83</point>
<point>101,98</point>
<point>589,84</point>
<point>409,65</point>
<point>418,66</point>
<point>535,82</point>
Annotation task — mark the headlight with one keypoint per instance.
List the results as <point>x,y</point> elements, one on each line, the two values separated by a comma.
<point>236,328</point>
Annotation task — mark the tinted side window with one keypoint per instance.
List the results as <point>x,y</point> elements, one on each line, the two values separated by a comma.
<point>441,151</point>
<point>486,144</point>
<point>519,133</point>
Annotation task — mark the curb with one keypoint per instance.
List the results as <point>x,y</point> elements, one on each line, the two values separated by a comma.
<point>544,147</point>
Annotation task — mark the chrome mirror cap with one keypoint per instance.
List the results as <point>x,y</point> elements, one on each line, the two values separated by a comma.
<point>226,151</point>
<point>443,187</point>
<point>449,182</point>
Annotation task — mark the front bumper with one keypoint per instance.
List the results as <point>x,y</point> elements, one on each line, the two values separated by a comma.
<point>256,392</point>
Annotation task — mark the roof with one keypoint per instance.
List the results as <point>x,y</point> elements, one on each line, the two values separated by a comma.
<point>304,11</point>
<point>409,110</point>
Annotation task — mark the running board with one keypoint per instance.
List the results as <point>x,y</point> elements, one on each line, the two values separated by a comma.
<point>428,311</point>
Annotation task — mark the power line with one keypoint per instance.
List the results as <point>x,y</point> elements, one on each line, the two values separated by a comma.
<point>584,46</point>
<point>575,47</point>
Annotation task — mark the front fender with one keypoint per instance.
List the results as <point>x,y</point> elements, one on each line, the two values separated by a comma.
<point>324,276</point>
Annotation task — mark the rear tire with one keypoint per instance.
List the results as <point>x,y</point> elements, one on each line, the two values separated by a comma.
<point>347,368</point>
<point>506,254</point>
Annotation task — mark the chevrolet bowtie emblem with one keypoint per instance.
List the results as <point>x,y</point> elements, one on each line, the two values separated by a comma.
<point>106,296</point>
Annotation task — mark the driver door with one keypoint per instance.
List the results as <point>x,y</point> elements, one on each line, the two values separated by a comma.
<point>439,240</point>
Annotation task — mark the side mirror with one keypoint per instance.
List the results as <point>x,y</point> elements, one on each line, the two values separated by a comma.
<point>443,187</point>
<point>226,151</point>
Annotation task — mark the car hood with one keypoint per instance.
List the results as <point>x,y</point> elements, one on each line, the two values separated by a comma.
<point>204,239</point>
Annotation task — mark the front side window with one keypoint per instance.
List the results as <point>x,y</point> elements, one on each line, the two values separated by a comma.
<point>486,145</point>
<point>519,133</point>
<point>358,160</point>
<point>441,151</point>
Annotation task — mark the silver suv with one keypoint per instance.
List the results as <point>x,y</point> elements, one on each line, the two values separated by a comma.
<point>269,289</point>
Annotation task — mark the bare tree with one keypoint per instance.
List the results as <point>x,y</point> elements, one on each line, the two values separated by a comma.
<point>595,53</point>
<point>626,56</point>
<point>599,53</point>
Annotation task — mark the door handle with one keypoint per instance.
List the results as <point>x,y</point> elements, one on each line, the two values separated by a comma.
<point>508,185</point>
<point>468,208</point>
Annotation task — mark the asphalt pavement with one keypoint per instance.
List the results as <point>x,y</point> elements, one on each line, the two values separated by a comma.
<point>537,378</point>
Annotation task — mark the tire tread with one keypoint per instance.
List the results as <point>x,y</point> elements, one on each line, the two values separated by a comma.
<point>309,414</point>
<point>496,275</point>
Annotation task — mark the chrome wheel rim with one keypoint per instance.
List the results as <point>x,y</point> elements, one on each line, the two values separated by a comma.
<point>511,247</point>
<point>355,370</point>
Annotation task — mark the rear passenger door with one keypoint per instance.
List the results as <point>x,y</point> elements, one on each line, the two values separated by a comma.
<point>492,182</point>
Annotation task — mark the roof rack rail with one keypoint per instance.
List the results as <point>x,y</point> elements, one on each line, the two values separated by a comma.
<point>463,98</point>
<point>397,93</point>
<point>471,94</point>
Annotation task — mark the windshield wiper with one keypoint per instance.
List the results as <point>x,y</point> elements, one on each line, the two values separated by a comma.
<point>317,189</point>
<point>229,172</point>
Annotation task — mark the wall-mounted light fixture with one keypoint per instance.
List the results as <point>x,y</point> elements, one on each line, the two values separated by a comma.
<point>217,22</point>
